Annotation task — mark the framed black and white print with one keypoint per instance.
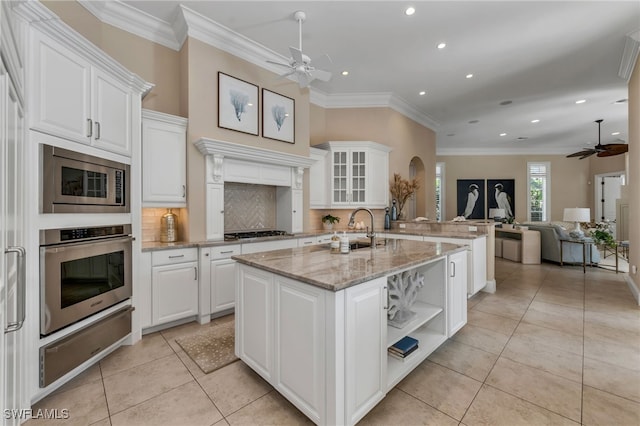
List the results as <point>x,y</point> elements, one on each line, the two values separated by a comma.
<point>278,117</point>
<point>237,104</point>
<point>501,195</point>
<point>471,198</point>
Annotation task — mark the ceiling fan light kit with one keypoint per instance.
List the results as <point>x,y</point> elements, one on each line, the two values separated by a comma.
<point>300,64</point>
<point>600,150</point>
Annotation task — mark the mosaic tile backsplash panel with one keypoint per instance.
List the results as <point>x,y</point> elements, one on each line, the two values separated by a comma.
<point>248,206</point>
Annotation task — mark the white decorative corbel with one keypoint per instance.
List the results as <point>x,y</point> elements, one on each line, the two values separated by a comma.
<point>214,169</point>
<point>298,173</point>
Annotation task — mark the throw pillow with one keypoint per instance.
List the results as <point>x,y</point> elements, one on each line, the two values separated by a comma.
<point>561,231</point>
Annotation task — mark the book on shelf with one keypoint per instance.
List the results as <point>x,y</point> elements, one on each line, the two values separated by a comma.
<point>401,356</point>
<point>404,345</point>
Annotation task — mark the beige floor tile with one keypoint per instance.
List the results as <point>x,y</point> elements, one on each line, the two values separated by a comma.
<point>602,408</point>
<point>103,422</point>
<point>441,388</point>
<point>271,409</point>
<point>89,375</point>
<point>622,355</point>
<point>234,386</point>
<point>398,408</point>
<point>193,368</point>
<point>493,407</point>
<point>506,306</point>
<point>509,288</point>
<point>616,335</point>
<point>544,357</point>
<point>491,322</point>
<point>477,298</point>
<point>561,340</point>
<point>222,422</point>
<point>612,379</point>
<point>464,359</point>
<point>138,384</point>
<point>481,338</point>
<point>152,347</point>
<point>85,404</point>
<point>573,298</point>
<point>612,321</point>
<point>554,316</point>
<point>543,389</point>
<point>185,405</point>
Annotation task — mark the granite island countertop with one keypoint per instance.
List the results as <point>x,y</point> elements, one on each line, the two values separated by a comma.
<point>315,265</point>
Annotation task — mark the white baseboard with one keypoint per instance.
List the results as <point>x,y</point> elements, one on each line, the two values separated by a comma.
<point>633,287</point>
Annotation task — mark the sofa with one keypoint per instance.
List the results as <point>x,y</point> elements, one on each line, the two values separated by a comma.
<point>550,234</point>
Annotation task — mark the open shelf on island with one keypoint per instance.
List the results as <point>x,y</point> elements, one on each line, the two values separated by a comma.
<point>424,313</point>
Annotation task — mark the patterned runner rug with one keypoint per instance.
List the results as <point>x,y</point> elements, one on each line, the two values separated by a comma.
<point>211,349</point>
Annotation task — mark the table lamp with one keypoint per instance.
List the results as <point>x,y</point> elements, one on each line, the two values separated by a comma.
<point>497,214</point>
<point>577,215</point>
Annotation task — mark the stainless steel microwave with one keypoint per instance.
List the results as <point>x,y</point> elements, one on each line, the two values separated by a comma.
<point>79,183</point>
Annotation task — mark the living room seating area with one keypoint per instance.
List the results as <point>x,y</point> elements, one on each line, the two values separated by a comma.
<point>550,235</point>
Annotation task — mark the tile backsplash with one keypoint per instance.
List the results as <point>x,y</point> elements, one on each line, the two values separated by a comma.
<point>151,223</point>
<point>248,206</point>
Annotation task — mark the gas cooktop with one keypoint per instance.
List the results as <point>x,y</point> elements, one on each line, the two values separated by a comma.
<point>253,234</point>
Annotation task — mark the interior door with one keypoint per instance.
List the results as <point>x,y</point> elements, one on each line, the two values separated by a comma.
<point>13,283</point>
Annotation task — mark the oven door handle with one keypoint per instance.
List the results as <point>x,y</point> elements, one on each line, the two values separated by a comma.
<point>97,240</point>
<point>21,290</point>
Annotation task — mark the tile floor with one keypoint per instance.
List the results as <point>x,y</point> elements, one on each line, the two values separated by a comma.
<point>551,346</point>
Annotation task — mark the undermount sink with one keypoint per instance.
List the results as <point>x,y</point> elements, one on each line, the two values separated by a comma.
<point>360,244</point>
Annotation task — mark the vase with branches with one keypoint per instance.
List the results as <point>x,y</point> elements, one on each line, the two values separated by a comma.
<point>402,189</point>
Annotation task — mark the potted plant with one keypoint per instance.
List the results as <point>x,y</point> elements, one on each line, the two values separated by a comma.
<point>328,221</point>
<point>508,222</point>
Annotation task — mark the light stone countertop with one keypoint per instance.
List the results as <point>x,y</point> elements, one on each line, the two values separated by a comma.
<point>315,265</point>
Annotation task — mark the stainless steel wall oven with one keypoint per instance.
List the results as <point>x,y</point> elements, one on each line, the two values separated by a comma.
<point>82,271</point>
<point>78,183</point>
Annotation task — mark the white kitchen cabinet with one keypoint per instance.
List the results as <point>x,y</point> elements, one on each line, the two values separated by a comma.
<point>76,99</point>
<point>164,160</point>
<point>215,211</point>
<point>217,279</point>
<point>174,285</point>
<point>457,292</point>
<point>318,178</point>
<point>289,209</point>
<point>355,174</point>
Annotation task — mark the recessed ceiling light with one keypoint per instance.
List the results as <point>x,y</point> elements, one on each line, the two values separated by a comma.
<point>422,93</point>
<point>615,133</point>
<point>410,11</point>
<point>506,102</point>
<point>451,134</point>
<point>503,134</point>
<point>474,121</point>
<point>522,138</point>
<point>621,101</point>
<point>581,101</point>
<point>345,72</point>
<point>249,104</point>
<point>535,121</point>
<point>469,75</point>
<point>442,45</point>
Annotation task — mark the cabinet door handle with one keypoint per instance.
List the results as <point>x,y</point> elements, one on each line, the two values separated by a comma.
<point>221,211</point>
<point>226,252</point>
<point>196,270</point>
<point>90,127</point>
<point>308,242</point>
<point>97,130</point>
<point>386,298</point>
<point>176,256</point>
<point>21,290</point>
<point>184,191</point>
<point>453,269</point>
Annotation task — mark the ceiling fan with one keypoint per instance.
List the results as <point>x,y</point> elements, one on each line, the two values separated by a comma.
<point>300,64</point>
<point>600,150</point>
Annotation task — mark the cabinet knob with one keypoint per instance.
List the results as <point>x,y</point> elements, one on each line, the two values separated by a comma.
<point>221,211</point>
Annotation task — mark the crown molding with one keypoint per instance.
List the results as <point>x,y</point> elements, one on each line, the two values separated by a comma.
<point>500,151</point>
<point>135,21</point>
<point>629,55</point>
<point>165,118</point>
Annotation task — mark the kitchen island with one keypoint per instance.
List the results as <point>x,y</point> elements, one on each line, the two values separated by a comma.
<point>314,324</point>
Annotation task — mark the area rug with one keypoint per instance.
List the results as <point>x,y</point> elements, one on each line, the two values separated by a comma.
<point>211,349</point>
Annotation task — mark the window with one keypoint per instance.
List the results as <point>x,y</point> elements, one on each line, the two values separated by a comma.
<point>539,189</point>
<point>439,192</point>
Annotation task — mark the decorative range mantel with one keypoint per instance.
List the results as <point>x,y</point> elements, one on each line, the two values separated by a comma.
<point>231,162</point>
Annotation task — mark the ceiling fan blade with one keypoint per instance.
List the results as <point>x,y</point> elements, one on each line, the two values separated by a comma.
<point>296,54</point>
<point>587,155</point>
<point>286,74</point>
<point>279,64</point>
<point>323,61</point>
<point>321,75</point>
<point>581,153</point>
<point>618,148</point>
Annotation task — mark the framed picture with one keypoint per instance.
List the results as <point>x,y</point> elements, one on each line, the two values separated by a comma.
<point>471,197</point>
<point>501,195</point>
<point>278,117</point>
<point>237,104</point>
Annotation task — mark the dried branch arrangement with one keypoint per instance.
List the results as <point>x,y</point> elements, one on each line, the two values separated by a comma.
<point>402,189</point>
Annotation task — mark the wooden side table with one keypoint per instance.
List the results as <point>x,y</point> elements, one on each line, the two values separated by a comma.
<point>586,242</point>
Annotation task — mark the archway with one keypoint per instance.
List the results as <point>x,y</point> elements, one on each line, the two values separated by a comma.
<point>417,205</point>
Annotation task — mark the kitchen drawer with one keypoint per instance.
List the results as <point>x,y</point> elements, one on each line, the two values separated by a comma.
<point>303,242</point>
<point>168,257</point>
<point>325,239</point>
<point>224,252</point>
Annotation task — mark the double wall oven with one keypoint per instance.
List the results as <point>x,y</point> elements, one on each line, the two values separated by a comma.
<point>83,270</point>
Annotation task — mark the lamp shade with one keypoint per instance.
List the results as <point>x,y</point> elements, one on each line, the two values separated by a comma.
<point>577,214</point>
<point>499,213</point>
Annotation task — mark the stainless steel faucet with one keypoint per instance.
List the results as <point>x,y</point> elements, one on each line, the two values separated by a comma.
<point>370,233</point>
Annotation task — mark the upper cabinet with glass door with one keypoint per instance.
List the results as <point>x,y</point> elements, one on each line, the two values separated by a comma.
<point>356,175</point>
